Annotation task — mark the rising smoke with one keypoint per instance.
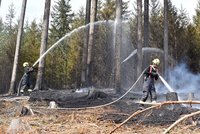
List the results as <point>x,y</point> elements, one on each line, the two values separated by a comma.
<point>182,81</point>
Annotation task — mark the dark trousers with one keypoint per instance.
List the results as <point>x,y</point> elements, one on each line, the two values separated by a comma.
<point>149,90</point>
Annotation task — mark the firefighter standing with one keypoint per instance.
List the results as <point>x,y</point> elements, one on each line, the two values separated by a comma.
<point>151,74</point>
<point>26,84</point>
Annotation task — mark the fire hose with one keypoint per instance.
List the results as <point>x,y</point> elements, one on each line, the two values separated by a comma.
<point>98,106</point>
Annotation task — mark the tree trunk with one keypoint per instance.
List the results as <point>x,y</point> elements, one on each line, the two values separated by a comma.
<point>139,39</point>
<point>17,49</point>
<point>0,3</point>
<point>166,38</point>
<point>118,38</point>
<point>91,42</point>
<point>44,40</point>
<point>85,45</point>
<point>146,29</point>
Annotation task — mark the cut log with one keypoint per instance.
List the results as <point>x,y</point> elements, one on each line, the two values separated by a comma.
<point>68,98</point>
<point>56,95</point>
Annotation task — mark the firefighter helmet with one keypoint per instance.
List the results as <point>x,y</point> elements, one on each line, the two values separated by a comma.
<point>156,61</point>
<point>25,64</point>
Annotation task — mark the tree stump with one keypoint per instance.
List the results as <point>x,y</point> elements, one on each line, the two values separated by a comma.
<point>172,96</point>
<point>191,96</point>
<point>26,110</point>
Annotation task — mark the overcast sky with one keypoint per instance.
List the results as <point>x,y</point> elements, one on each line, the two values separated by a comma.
<point>35,8</point>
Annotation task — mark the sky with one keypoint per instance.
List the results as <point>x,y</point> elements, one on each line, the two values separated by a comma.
<point>35,8</point>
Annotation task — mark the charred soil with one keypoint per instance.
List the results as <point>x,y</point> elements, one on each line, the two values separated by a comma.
<point>100,120</point>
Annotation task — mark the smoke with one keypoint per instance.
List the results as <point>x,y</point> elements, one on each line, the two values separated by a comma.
<point>182,81</point>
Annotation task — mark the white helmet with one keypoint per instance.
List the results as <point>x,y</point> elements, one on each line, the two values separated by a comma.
<point>25,64</point>
<point>156,61</point>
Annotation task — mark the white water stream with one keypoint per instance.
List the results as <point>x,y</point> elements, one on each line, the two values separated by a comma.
<point>166,84</point>
<point>67,35</point>
<point>170,88</point>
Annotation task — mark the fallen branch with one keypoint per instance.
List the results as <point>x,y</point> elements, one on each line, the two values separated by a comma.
<point>155,105</point>
<point>134,114</point>
<point>181,119</point>
<point>170,102</point>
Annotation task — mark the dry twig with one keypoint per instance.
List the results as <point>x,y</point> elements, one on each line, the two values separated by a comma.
<point>181,119</point>
<point>155,105</point>
<point>134,114</point>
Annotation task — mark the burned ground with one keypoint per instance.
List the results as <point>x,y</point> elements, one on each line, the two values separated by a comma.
<point>100,120</point>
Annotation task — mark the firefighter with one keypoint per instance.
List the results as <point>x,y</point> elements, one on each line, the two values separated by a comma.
<point>151,74</point>
<point>26,84</point>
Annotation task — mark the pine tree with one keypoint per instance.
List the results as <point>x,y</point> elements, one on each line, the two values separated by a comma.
<point>107,10</point>
<point>194,37</point>
<point>156,34</point>
<point>8,47</point>
<point>62,17</point>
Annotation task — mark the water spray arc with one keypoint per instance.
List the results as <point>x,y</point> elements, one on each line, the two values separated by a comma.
<point>126,59</point>
<point>166,84</point>
<point>143,49</point>
<point>67,35</point>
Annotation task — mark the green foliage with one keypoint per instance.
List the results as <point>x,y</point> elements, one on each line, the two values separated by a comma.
<point>177,32</point>
<point>79,19</point>
<point>178,23</point>
<point>31,44</point>
<point>10,17</point>
<point>7,48</point>
<point>66,71</point>
<point>63,64</point>
<point>107,10</point>
<point>193,49</point>
<point>62,17</point>
<point>194,40</point>
<point>156,25</point>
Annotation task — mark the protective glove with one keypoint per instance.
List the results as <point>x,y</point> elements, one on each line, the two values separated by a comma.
<point>31,69</point>
<point>155,75</point>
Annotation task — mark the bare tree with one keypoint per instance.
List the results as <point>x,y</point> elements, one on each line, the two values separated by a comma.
<point>146,28</point>
<point>84,51</point>
<point>43,47</point>
<point>17,49</point>
<point>118,38</point>
<point>0,3</point>
<point>91,42</point>
<point>166,38</point>
<point>139,38</point>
